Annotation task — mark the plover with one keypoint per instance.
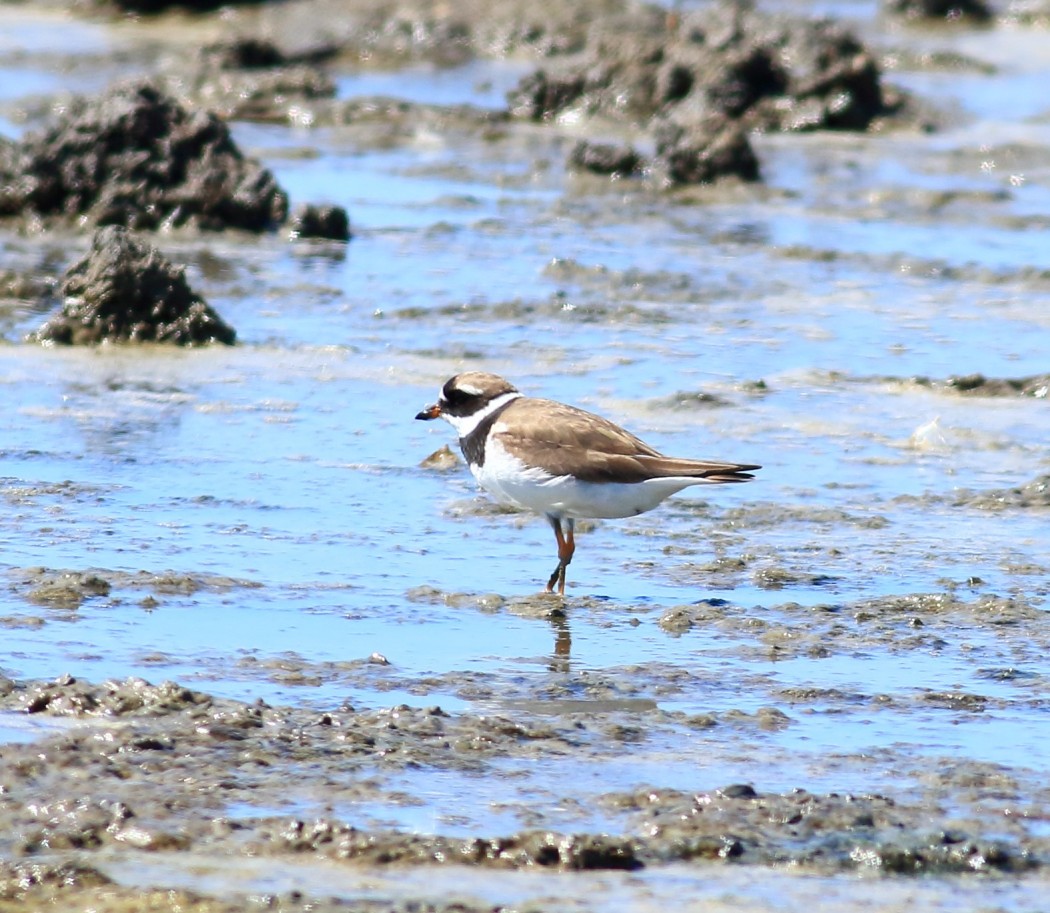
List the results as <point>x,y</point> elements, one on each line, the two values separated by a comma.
<point>560,461</point>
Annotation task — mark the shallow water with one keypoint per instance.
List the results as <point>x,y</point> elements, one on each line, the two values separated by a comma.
<point>283,475</point>
<point>482,83</point>
<point>726,889</point>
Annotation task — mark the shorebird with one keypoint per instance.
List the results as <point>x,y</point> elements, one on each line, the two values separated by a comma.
<point>562,462</point>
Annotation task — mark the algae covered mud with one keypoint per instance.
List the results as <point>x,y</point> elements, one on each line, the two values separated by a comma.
<point>265,647</point>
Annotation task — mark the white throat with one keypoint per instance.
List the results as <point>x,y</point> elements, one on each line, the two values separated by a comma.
<point>465,424</point>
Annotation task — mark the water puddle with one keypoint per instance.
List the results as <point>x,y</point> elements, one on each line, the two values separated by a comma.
<point>36,31</point>
<point>718,889</point>
<point>16,728</point>
<point>483,83</point>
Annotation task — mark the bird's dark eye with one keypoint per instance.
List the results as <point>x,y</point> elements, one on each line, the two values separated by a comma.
<point>453,396</point>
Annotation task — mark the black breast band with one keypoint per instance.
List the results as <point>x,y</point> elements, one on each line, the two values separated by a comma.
<point>473,444</point>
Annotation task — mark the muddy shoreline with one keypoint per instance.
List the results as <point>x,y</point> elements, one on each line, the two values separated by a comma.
<point>127,768</point>
<point>142,769</point>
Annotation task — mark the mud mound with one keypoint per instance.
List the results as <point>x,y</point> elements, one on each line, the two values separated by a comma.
<point>66,696</point>
<point>771,73</point>
<point>702,81</point>
<point>978,385</point>
<point>135,157</point>
<point>971,11</point>
<point>703,152</point>
<point>330,223</point>
<point>1033,495</point>
<point>125,291</point>
<point>153,7</point>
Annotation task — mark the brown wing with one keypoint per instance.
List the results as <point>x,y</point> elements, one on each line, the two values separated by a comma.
<point>564,440</point>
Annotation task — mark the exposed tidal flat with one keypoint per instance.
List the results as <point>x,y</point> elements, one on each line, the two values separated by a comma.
<point>260,652</point>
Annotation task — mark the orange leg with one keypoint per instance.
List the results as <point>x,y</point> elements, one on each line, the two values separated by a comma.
<point>566,548</point>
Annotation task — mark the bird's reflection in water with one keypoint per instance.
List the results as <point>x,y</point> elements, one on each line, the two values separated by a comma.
<point>561,657</point>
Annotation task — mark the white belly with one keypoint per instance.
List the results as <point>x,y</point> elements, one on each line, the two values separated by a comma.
<point>510,481</point>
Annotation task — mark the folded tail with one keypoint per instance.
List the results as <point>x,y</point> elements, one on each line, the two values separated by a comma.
<point>709,471</point>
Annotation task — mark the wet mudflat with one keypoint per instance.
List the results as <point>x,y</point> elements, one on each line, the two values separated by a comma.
<point>258,652</point>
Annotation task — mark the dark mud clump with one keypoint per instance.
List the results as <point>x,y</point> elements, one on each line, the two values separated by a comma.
<point>137,158</point>
<point>442,460</point>
<point>605,158</point>
<point>153,7</point>
<point>530,849</point>
<point>701,153</point>
<point>828,832</point>
<point>974,12</point>
<point>1036,386</point>
<point>67,696</point>
<point>771,73</point>
<point>126,291</point>
<point>252,53</point>
<point>255,79</point>
<point>702,81</point>
<point>327,223</point>
<point>978,385</point>
<point>1030,496</point>
<point>69,589</point>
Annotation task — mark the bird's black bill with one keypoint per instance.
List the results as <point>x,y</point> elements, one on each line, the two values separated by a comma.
<point>430,412</point>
